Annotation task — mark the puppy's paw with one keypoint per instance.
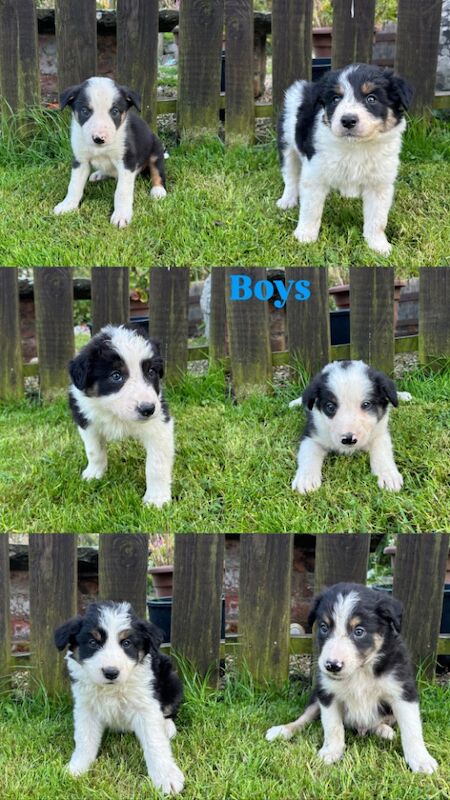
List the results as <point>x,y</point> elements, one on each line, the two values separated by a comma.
<point>287,201</point>
<point>278,732</point>
<point>405,396</point>
<point>330,754</point>
<point>158,192</point>
<point>171,781</point>
<point>158,499</point>
<point>306,235</point>
<point>78,766</point>
<point>304,483</point>
<point>65,206</point>
<point>389,478</point>
<point>121,218</point>
<point>421,761</point>
<point>93,472</point>
<point>98,175</point>
<point>380,244</point>
<point>385,731</point>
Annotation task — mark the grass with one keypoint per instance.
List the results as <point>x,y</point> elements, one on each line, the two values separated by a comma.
<point>233,469</point>
<point>220,209</point>
<point>221,749</point>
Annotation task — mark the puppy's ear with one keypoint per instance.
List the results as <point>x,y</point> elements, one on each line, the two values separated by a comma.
<point>152,636</point>
<point>386,387</point>
<point>79,370</point>
<point>68,96</point>
<point>399,90</point>
<point>66,634</point>
<point>312,616</point>
<point>310,394</point>
<point>133,98</point>
<point>391,610</point>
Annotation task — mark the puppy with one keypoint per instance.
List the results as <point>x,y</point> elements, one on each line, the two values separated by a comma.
<point>116,392</point>
<point>347,406</point>
<point>120,680</point>
<point>365,679</point>
<point>343,132</point>
<point>113,142</point>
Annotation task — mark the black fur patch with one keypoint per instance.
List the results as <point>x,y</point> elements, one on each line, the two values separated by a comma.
<point>98,369</point>
<point>78,416</point>
<point>141,144</point>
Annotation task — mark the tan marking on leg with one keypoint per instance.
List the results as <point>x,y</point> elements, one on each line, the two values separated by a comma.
<point>154,172</point>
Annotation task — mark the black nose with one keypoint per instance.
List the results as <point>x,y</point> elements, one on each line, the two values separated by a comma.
<point>349,439</point>
<point>349,121</point>
<point>333,666</point>
<point>110,673</point>
<point>98,140</point>
<point>146,409</point>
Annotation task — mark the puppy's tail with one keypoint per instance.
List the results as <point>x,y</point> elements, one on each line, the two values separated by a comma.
<point>297,402</point>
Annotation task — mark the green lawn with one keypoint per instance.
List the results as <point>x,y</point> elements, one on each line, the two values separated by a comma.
<point>220,209</point>
<point>221,749</point>
<point>233,469</point>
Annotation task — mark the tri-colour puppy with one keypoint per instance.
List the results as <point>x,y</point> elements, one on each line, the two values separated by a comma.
<point>115,393</point>
<point>365,679</point>
<point>115,143</point>
<point>347,410</point>
<point>120,680</point>
<point>343,132</point>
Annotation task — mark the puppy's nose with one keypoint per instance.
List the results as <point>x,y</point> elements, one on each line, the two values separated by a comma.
<point>146,409</point>
<point>110,673</point>
<point>349,121</point>
<point>334,666</point>
<point>98,139</point>
<point>349,439</point>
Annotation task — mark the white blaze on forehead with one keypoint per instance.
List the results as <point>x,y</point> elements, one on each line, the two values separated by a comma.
<point>113,620</point>
<point>131,347</point>
<point>101,93</point>
<point>342,611</point>
<point>351,385</point>
<point>344,83</point>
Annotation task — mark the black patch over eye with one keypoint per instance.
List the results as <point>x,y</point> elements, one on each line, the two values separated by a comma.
<point>116,377</point>
<point>359,632</point>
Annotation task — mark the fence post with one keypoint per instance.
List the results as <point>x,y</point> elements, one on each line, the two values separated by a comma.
<point>291,45</point>
<point>416,50</point>
<point>53,300</point>
<point>110,297</point>
<point>239,70</point>
<point>341,557</point>
<point>434,316</point>
<point>248,336</point>
<point>122,569</point>
<point>201,31</point>
<point>5,620</point>
<point>372,316</point>
<point>53,600</point>
<point>168,313</point>
<point>197,601</point>
<point>265,604</point>
<point>419,576</point>
<point>218,316</point>
<point>76,41</point>
<point>137,51</point>
<point>308,321</point>
<point>11,373</point>
<point>353,31</point>
<point>19,58</point>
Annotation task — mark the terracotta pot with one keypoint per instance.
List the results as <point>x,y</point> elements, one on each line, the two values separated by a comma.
<point>162,580</point>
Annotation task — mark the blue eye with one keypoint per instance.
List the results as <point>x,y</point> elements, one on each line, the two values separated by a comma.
<point>114,111</point>
<point>323,627</point>
<point>116,377</point>
<point>359,632</point>
<point>126,643</point>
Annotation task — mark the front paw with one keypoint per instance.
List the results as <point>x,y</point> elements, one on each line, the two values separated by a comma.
<point>278,732</point>
<point>390,479</point>
<point>380,244</point>
<point>93,472</point>
<point>306,235</point>
<point>306,482</point>
<point>421,761</point>
<point>330,754</point>
<point>98,175</point>
<point>121,218</point>
<point>287,201</point>
<point>78,766</point>
<point>385,731</point>
<point>65,206</point>
<point>158,192</point>
<point>171,782</point>
<point>158,499</point>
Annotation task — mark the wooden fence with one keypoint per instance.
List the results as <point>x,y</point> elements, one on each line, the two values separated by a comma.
<point>263,643</point>
<point>237,328</point>
<point>201,32</point>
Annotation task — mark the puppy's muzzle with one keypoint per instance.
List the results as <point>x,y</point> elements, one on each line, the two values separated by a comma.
<point>334,666</point>
<point>110,673</point>
<point>146,410</point>
<point>349,439</point>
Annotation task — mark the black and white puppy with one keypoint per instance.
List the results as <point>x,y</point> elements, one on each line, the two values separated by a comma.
<point>115,393</point>
<point>365,679</point>
<point>114,143</point>
<point>347,410</point>
<point>343,132</point>
<point>120,680</point>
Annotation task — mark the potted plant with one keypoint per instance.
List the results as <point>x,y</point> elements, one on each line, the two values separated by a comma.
<point>161,549</point>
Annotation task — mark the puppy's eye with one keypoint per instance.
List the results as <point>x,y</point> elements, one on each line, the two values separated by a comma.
<point>93,644</point>
<point>335,99</point>
<point>330,407</point>
<point>371,99</point>
<point>366,405</point>
<point>115,111</point>
<point>85,111</point>
<point>126,643</point>
<point>116,377</point>
<point>359,632</point>
<point>151,372</point>
<point>323,627</point>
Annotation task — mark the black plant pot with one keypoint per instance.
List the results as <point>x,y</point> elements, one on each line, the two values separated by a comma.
<point>160,613</point>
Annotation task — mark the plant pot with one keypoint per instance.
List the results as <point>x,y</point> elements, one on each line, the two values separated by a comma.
<point>341,296</point>
<point>160,613</point>
<point>340,326</point>
<point>162,580</point>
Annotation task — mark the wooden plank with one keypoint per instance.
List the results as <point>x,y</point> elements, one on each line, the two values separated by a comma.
<point>353,32</point>
<point>110,296</point>
<point>341,557</point>
<point>137,51</point>
<point>308,321</point>
<point>201,30</point>
<point>53,300</point>
<point>76,41</point>
<point>19,58</point>
<point>197,601</point>
<point>239,68</point>
<point>122,569</point>
<point>168,314</point>
<point>419,576</point>
<point>372,316</point>
<point>248,335</point>
<point>53,600</point>
<point>11,372</point>
<point>5,620</point>
<point>291,45</point>
<point>218,316</point>
<point>418,26</point>
<point>434,316</point>
<point>265,605</point>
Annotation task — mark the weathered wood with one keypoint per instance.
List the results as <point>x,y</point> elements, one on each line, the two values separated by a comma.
<point>5,620</point>
<point>168,313</point>
<point>372,316</point>
<point>53,600</point>
<point>19,58</point>
<point>416,50</point>
<point>122,568</point>
<point>137,51</point>
<point>434,316</point>
<point>291,45</point>
<point>341,557</point>
<point>308,321</point>
<point>53,299</point>
<point>110,303</point>
<point>353,32</point>
<point>218,316</point>
<point>419,576</point>
<point>197,601</point>
<point>239,72</point>
<point>201,30</point>
<point>248,336</point>
<point>11,372</point>
<point>76,40</point>
<point>265,604</point>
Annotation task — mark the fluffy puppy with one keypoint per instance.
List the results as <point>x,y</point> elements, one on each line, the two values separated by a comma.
<point>114,143</point>
<point>115,393</point>
<point>365,680</point>
<point>343,132</point>
<point>120,680</point>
